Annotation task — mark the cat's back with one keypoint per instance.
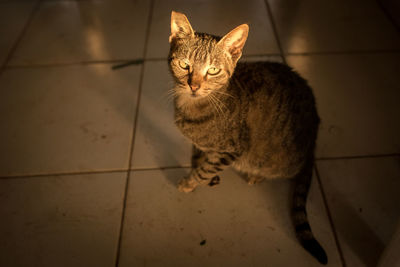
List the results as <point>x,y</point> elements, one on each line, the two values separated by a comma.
<point>274,85</point>
<point>272,76</point>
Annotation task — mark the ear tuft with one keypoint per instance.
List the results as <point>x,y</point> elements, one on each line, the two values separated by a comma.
<point>180,26</point>
<point>234,41</point>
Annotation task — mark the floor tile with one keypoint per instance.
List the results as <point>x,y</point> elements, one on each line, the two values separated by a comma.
<point>363,197</point>
<point>13,17</point>
<point>63,119</point>
<point>76,31</point>
<point>357,98</point>
<point>232,224</point>
<point>60,220</point>
<point>215,17</point>
<point>158,142</point>
<point>318,26</point>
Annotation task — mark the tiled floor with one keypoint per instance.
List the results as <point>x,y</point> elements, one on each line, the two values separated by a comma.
<point>90,158</point>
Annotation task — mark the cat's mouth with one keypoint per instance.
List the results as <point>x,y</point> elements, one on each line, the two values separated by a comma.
<point>196,95</point>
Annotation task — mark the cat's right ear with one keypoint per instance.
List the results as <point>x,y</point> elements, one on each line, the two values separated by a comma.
<point>180,26</point>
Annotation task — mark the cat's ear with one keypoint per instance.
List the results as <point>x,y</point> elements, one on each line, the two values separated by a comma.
<point>234,41</point>
<point>180,26</point>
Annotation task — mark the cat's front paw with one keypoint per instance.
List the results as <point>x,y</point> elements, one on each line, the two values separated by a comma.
<point>187,185</point>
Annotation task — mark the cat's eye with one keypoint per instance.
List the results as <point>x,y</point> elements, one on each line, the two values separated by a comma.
<point>183,64</point>
<point>213,71</point>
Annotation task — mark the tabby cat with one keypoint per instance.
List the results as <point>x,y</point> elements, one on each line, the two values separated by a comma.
<point>260,118</point>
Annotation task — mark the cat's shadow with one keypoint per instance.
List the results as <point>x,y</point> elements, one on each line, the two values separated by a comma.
<point>277,195</point>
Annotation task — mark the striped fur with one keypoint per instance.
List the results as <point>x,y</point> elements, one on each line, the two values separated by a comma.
<point>299,213</point>
<point>206,166</point>
<point>259,118</point>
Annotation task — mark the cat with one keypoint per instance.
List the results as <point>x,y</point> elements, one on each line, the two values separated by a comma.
<point>260,118</point>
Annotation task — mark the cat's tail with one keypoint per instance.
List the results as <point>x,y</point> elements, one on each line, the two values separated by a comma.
<point>299,214</point>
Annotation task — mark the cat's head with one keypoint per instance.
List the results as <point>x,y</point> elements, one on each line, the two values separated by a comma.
<point>202,63</point>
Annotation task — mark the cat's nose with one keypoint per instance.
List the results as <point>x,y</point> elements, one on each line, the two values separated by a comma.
<point>194,87</point>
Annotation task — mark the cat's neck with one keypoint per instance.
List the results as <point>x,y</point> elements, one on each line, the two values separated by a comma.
<point>192,109</point>
<point>216,104</point>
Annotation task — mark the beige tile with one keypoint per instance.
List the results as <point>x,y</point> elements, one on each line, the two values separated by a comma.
<point>241,225</point>
<point>215,17</point>
<point>13,17</point>
<point>76,31</point>
<point>158,142</point>
<point>357,98</point>
<point>63,119</point>
<point>320,26</point>
<point>363,197</point>
<point>60,220</point>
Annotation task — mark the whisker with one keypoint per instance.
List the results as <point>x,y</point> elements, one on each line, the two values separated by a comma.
<point>216,107</point>
<point>211,103</point>
<point>210,100</point>
<point>223,93</point>
<point>170,92</point>
<point>169,95</point>
<point>218,104</point>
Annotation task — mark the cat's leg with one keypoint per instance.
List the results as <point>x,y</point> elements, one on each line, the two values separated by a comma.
<point>206,172</point>
<point>197,157</point>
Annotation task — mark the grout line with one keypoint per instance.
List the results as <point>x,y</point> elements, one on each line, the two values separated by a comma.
<point>273,25</point>
<point>128,176</point>
<point>115,61</point>
<point>345,52</point>
<point>111,61</point>
<point>130,169</point>
<point>35,8</point>
<point>19,176</point>
<point>335,235</point>
<point>262,55</point>
<point>38,175</point>
<point>161,168</point>
<point>388,15</point>
<point>66,64</point>
<point>359,157</point>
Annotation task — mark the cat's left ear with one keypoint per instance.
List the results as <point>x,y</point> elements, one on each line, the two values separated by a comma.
<point>234,41</point>
<point>180,26</point>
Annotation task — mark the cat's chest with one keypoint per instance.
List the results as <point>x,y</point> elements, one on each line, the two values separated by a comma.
<point>208,133</point>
